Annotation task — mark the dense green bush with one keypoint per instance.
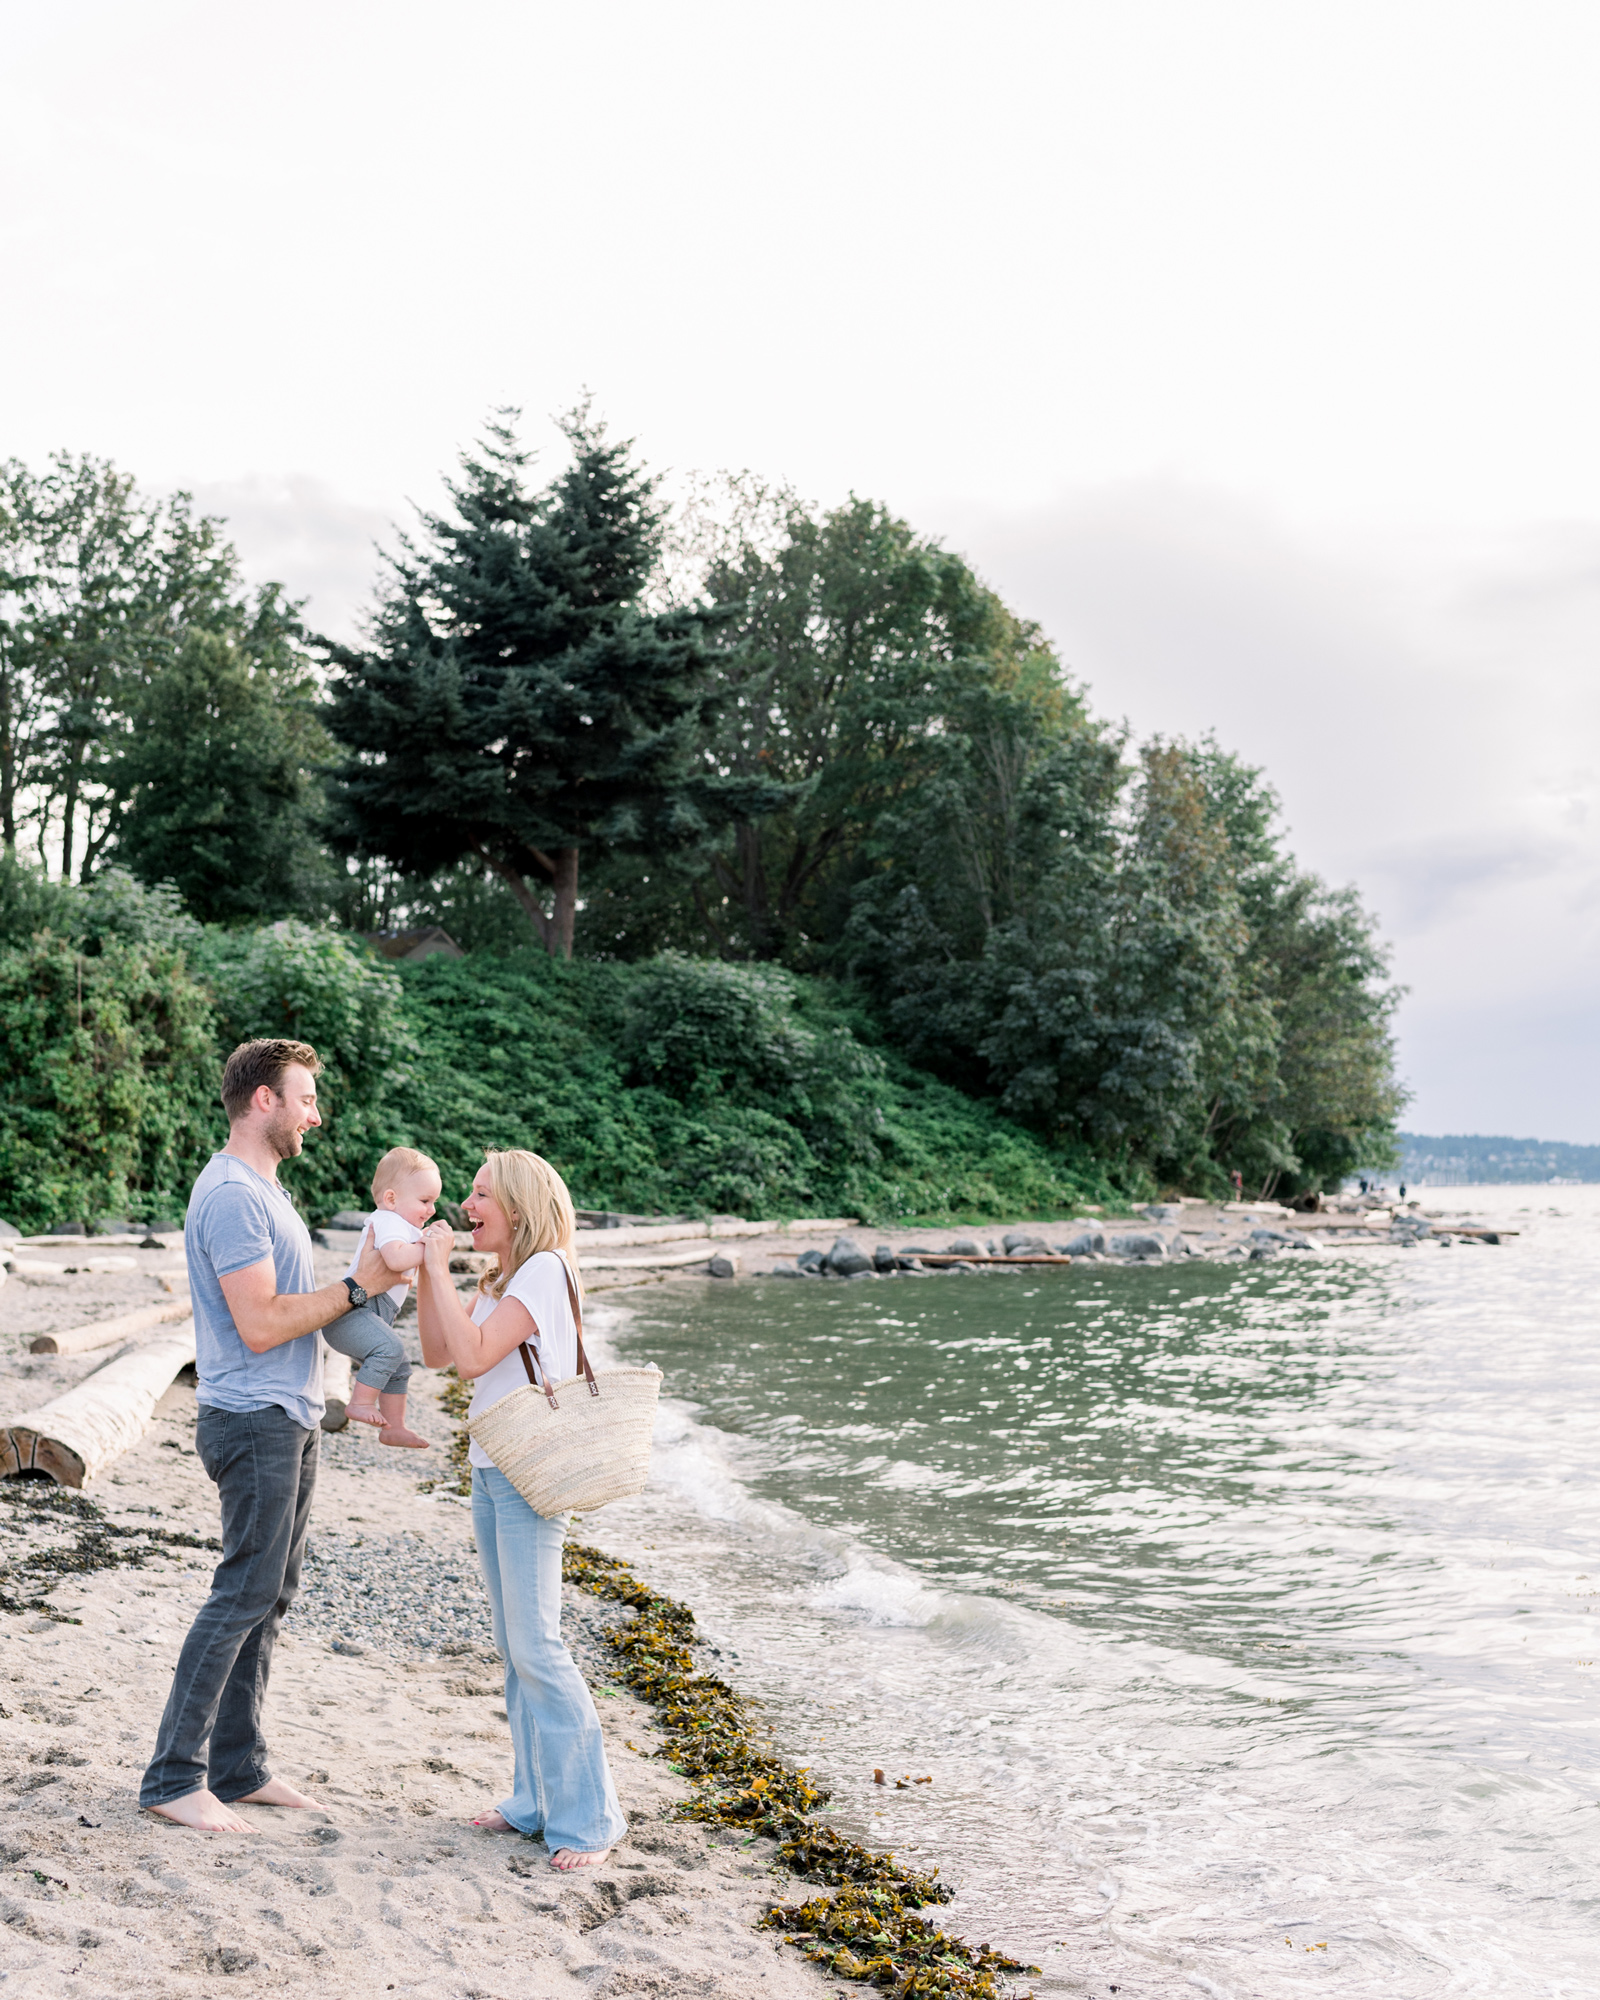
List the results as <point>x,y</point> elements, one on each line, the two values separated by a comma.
<point>321,987</point>
<point>688,1085</point>
<point>110,1094</point>
<point>677,1085</point>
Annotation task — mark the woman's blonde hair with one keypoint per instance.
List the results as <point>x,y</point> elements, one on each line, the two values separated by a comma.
<point>536,1201</point>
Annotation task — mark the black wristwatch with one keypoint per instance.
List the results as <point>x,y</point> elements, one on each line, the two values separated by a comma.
<point>357,1296</point>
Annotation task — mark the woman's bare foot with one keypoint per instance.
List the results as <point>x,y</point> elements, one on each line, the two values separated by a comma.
<point>364,1413</point>
<point>494,1822</point>
<point>277,1792</point>
<point>565,1859</point>
<point>203,1811</point>
<point>390,1434</point>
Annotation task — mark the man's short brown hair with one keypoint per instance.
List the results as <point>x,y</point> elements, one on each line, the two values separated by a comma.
<point>264,1062</point>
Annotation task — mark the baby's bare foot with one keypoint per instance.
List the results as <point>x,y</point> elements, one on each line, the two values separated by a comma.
<point>399,1434</point>
<point>203,1811</point>
<point>364,1413</point>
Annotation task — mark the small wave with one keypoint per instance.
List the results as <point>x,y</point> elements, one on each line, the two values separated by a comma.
<point>884,1596</point>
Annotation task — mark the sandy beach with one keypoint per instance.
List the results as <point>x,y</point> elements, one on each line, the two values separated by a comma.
<point>400,1730</point>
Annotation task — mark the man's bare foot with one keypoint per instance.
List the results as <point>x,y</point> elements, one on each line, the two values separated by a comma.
<point>364,1413</point>
<point>494,1822</point>
<point>204,1812</point>
<point>398,1434</point>
<point>565,1859</point>
<point>277,1792</point>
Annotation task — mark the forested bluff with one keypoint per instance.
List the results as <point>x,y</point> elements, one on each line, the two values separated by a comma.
<point>792,871</point>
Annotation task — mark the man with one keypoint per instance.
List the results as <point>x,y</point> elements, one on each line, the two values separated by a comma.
<point>257,1318</point>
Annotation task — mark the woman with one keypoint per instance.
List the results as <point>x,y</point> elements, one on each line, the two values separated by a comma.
<point>521,1213</point>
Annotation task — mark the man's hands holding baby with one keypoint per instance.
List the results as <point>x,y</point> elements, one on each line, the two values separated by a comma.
<point>372,1274</point>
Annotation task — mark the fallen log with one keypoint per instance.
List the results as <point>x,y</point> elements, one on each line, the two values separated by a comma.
<point>76,1436</point>
<point>661,1260</point>
<point>951,1257</point>
<point>106,1332</point>
<point>335,1389</point>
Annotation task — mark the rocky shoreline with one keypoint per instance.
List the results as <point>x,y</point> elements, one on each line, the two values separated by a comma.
<point>1159,1233</point>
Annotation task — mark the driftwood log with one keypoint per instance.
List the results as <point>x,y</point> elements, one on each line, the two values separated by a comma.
<point>335,1389</point>
<point>76,1436</point>
<point>106,1332</point>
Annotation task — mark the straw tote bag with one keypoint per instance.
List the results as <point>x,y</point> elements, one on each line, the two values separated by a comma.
<point>566,1451</point>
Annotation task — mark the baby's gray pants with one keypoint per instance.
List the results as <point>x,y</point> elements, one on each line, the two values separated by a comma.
<point>368,1337</point>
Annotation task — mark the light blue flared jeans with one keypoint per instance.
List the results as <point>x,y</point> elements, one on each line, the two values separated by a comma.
<point>563,1787</point>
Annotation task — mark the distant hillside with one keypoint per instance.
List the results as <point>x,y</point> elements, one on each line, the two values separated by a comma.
<point>1462,1159</point>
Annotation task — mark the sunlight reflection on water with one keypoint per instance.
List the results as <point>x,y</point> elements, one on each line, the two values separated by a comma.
<point>1245,1604</point>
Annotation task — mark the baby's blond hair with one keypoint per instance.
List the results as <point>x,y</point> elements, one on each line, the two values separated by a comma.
<point>397,1165</point>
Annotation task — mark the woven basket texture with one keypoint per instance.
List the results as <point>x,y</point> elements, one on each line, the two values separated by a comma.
<point>589,1450</point>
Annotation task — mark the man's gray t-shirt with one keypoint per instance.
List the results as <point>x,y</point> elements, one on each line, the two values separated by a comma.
<point>235,1219</point>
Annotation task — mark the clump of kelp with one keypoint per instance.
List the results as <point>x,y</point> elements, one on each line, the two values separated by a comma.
<point>99,1544</point>
<point>867,1928</point>
<point>455,1399</point>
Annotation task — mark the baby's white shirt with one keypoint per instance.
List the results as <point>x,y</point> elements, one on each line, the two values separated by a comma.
<point>385,1226</point>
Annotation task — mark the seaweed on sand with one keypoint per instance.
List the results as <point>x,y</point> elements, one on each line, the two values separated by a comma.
<point>455,1398</point>
<point>866,1929</point>
<point>99,1544</point>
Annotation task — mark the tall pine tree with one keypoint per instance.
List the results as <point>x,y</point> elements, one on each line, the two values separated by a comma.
<point>518,701</point>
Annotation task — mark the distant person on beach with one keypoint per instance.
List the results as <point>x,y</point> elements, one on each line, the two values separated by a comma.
<point>257,1315</point>
<point>521,1213</point>
<point>404,1190</point>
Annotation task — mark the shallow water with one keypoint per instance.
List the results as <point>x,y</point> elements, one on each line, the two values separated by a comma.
<point>1244,1618</point>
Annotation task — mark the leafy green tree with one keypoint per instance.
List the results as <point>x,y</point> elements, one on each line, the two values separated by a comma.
<point>853,640</point>
<point>1333,1099</point>
<point>218,773</point>
<point>519,703</point>
<point>1127,959</point>
<point>97,587</point>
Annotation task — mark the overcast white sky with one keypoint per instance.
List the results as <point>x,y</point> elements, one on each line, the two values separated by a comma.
<point>1250,347</point>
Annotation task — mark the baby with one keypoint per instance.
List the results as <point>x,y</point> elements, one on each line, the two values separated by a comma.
<point>405,1188</point>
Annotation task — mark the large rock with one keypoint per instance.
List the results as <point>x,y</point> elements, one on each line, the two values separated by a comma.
<point>10,1233</point>
<point>1138,1243</point>
<point>1163,1211</point>
<point>847,1257</point>
<point>347,1218</point>
<point>1087,1243</point>
<point>812,1261</point>
<point>1024,1243</point>
<point>965,1247</point>
<point>883,1258</point>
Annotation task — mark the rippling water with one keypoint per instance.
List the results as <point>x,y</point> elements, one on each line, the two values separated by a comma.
<point>1244,1618</point>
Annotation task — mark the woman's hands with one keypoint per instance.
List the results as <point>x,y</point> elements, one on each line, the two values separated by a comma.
<point>438,1241</point>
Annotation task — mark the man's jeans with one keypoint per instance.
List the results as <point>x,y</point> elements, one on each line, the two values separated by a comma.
<point>563,1786</point>
<point>265,1468</point>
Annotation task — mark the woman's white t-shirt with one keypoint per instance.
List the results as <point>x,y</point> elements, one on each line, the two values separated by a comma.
<point>540,1284</point>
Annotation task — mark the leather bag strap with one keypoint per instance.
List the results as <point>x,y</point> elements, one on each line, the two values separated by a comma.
<point>583,1360</point>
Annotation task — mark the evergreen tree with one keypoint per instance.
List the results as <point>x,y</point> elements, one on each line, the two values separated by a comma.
<point>519,702</point>
<point>219,775</point>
